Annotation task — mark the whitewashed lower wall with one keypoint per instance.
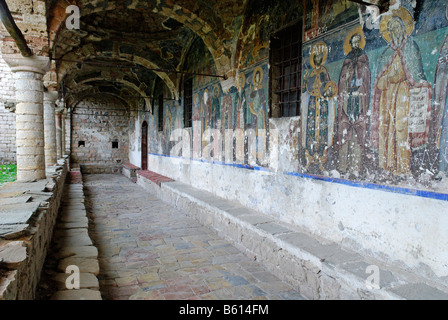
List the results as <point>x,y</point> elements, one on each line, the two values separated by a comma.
<point>407,230</point>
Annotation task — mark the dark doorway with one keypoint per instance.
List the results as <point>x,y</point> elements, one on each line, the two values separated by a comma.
<point>145,145</point>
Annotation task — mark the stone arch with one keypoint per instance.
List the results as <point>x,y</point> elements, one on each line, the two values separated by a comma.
<point>88,51</point>
<point>127,84</point>
<point>199,25</point>
<point>75,98</point>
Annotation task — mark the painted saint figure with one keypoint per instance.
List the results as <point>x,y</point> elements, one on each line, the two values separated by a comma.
<point>318,109</point>
<point>257,118</point>
<point>353,104</point>
<point>205,116</point>
<point>197,133</point>
<point>402,97</point>
<point>239,119</point>
<point>215,116</point>
<point>240,99</point>
<point>439,121</point>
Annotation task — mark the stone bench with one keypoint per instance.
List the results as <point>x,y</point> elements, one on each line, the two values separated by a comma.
<point>318,268</point>
<point>129,170</point>
<point>151,181</point>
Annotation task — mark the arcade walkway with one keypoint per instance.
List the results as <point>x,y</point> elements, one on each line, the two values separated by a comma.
<point>149,250</point>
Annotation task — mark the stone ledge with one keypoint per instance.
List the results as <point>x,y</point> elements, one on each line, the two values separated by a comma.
<point>318,268</point>
<point>27,219</point>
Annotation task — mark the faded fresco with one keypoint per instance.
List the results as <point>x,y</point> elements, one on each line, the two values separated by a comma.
<point>241,111</point>
<point>324,15</point>
<point>318,110</point>
<point>352,104</point>
<point>374,100</point>
<point>390,121</point>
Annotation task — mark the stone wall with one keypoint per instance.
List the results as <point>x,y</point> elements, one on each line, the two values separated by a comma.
<point>29,212</point>
<point>7,118</point>
<point>100,135</point>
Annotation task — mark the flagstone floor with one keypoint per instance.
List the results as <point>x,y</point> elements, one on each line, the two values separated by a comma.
<point>150,250</point>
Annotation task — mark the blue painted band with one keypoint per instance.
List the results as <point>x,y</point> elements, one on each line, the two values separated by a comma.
<point>358,184</point>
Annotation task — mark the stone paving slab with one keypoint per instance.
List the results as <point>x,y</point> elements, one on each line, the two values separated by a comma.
<point>15,200</point>
<point>13,231</point>
<point>81,294</point>
<point>18,213</point>
<point>12,253</point>
<point>417,290</point>
<point>78,251</point>
<point>85,265</point>
<point>74,225</point>
<point>86,281</point>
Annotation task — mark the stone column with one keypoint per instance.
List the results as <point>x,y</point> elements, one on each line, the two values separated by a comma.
<point>67,131</point>
<point>64,131</point>
<point>50,127</point>
<point>58,119</point>
<point>28,74</point>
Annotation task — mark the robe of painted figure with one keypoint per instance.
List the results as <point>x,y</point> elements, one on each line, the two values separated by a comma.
<point>215,112</point>
<point>400,76</point>
<point>240,109</point>
<point>205,119</point>
<point>353,104</point>
<point>257,107</point>
<point>439,119</point>
<point>317,116</point>
<point>197,131</point>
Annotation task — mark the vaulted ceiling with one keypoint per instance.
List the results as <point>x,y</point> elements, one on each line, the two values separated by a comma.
<point>124,47</point>
<point>129,47</point>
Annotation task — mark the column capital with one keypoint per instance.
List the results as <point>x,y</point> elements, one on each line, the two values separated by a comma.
<point>37,64</point>
<point>51,96</point>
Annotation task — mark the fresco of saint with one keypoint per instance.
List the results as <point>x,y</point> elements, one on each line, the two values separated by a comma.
<point>240,98</point>
<point>197,133</point>
<point>215,116</point>
<point>402,97</point>
<point>240,114</point>
<point>439,125</point>
<point>257,104</point>
<point>205,115</point>
<point>258,119</point>
<point>318,110</point>
<point>353,104</point>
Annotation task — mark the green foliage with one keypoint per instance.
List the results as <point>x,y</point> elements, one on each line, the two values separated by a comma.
<point>8,173</point>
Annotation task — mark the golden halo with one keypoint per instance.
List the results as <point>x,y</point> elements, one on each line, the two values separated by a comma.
<point>347,44</point>
<point>319,47</point>
<point>258,70</point>
<point>404,15</point>
<point>196,98</point>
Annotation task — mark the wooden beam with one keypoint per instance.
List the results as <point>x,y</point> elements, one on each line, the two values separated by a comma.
<point>13,30</point>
